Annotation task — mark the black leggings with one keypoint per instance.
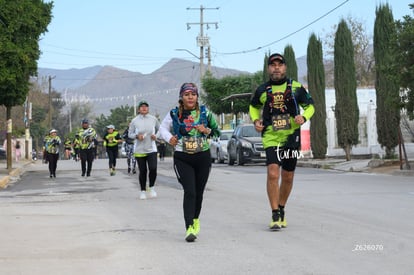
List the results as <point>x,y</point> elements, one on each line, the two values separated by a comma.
<point>53,159</point>
<point>87,156</point>
<point>192,171</point>
<point>112,155</point>
<point>151,160</point>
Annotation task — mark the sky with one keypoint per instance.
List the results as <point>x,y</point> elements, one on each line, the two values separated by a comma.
<point>141,36</point>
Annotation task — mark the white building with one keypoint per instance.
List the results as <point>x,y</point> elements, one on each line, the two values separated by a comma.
<point>367,128</point>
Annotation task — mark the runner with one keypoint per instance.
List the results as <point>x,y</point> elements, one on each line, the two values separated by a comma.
<point>187,128</point>
<point>111,141</point>
<point>281,99</point>
<point>87,135</point>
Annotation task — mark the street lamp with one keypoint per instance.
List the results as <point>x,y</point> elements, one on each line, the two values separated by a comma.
<point>185,50</point>
<point>199,58</point>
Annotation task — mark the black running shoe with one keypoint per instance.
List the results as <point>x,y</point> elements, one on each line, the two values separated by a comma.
<point>190,235</point>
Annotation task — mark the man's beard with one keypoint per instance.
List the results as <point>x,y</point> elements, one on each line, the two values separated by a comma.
<point>277,77</point>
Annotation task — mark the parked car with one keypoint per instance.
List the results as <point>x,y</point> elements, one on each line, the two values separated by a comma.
<point>123,152</point>
<point>245,145</point>
<point>218,146</point>
<point>2,152</point>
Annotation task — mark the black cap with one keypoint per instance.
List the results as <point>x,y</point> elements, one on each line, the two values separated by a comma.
<point>274,57</point>
<point>85,121</point>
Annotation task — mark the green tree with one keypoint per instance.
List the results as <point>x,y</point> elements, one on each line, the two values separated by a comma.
<point>386,85</point>
<point>346,106</point>
<point>316,87</point>
<point>265,75</point>
<point>292,67</point>
<point>218,89</point>
<point>404,61</point>
<point>119,117</point>
<point>21,25</point>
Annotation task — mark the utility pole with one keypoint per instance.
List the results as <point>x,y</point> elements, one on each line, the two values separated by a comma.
<point>50,101</point>
<point>69,103</point>
<point>209,58</point>
<point>27,118</point>
<point>202,41</point>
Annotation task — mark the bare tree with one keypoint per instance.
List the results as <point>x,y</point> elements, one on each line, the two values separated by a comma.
<point>363,52</point>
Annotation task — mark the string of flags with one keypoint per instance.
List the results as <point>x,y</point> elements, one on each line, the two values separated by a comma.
<point>85,99</point>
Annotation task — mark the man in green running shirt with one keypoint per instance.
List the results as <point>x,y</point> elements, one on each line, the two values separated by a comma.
<point>280,100</point>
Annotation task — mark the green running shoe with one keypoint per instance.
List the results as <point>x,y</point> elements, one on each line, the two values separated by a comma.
<point>190,236</point>
<point>276,223</point>
<point>196,226</point>
<point>283,222</point>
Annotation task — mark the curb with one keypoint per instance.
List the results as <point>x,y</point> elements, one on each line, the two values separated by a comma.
<point>4,181</point>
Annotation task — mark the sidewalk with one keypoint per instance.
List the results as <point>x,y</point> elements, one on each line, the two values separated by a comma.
<point>16,171</point>
<point>375,166</point>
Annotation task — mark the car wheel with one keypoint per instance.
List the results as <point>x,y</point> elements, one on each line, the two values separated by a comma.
<point>231,160</point>
<point>219,157</point>
<point>239,157</point>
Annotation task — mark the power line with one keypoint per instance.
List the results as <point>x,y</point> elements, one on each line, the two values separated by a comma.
<point>104,54</point>
<point>286,36</point>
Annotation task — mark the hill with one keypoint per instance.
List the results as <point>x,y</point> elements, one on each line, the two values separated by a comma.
<point>107,87</point>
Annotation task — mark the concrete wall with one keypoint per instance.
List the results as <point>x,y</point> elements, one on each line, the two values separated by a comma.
<point>367,127</point>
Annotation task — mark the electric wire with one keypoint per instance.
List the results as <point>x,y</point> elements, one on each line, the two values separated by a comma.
<point>286,36</point>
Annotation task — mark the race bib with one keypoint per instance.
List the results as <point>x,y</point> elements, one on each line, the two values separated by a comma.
<point>192,145</point>
<point>281,122</point>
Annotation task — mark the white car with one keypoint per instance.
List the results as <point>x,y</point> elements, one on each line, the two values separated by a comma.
<point>218,146</point>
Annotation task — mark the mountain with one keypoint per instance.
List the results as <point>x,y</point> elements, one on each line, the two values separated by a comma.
<point>107,87</point>
<point>69,79</point>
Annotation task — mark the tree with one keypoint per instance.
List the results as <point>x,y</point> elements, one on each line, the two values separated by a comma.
<point>386,85</point>
<point>21,24</point>
<point>265,74</point>
<point>404,61</point>
<point>292,67</point>
<point>39,121</point>
<point>346,106</point>
<point>38,125</point>
<point>71,115</point>
<point>363,57</point>
<point>217,89</point>
<point>316,87</point>
<point>119,117</point>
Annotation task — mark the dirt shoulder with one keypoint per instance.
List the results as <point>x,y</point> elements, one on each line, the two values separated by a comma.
<point>390,167</point>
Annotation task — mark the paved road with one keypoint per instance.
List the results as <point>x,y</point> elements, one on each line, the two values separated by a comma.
<point>339,223</point>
